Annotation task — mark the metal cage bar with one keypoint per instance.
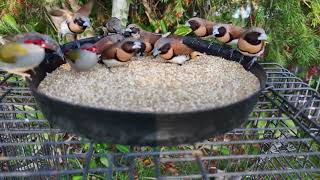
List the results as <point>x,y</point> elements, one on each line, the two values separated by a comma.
<point>280,140</point>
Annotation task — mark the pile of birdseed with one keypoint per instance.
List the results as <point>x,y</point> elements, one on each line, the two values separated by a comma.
<point>150,85</point>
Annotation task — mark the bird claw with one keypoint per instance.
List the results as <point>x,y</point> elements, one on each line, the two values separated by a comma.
<point>109,69</point>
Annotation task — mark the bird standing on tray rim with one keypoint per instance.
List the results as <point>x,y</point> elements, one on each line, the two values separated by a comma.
<point>83,58</point>
<point>200,27</point>
<point>227,33</point>
<point>252,43</point>
<point>26,52</point>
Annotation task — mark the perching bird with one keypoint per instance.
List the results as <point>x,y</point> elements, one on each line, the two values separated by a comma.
<point>26,52</point>
<point>74,23</point>
<point>83,58</point>
<point>113,25</point>
<point>227,33</point>
<point>252,43</point>
<point>200,27</point>
<point>107,41</point>
<point>121,52</point>
<point>148,38</point>
<point>173,50</point>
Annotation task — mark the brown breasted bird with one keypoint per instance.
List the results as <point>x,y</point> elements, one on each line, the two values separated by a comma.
<point>74,22</point>
<point>252,43</point>
<point>105,42</point>
<point>120,53</point>
<point>173,50</point>
<point>148,38</point>
<point>200,27</point>
<point>26,52</point>
<point>83,58</point>
<point>227,33</point>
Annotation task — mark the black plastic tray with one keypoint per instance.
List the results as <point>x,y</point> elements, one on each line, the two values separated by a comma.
<point>134,128</point>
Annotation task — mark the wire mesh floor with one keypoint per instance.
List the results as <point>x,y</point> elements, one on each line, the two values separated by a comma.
<point>280,140</point>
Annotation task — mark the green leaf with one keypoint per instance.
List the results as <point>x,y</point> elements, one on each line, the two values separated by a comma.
<point>77,177</point>
<point>10,21</point>
<point>163,26</point>
<point>225,150</point>
<point>104,161</point>
<point>122,148</point>
<point>183,30</point>
<point>261,124</point>
<point>93,164</point>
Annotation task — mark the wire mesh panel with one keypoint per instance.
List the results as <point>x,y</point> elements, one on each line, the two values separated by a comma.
<point>280,140</point>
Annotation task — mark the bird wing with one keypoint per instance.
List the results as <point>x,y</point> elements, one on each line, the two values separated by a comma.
<point>209,27</point>
<point>61,12</point>
<point>11,51</point>
<point>107,41</point>
<point>150,37</point>
<point>236,31</point>
<point>109,52</point>
<point>179,48</point>
<point>73,55</point>
<point>85,10</point>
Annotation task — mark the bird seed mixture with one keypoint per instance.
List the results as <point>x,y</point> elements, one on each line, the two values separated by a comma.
<point>150,85</point>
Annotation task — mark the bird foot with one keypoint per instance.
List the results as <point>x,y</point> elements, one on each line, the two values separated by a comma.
<point>109,69</point>
<point>195,54</point>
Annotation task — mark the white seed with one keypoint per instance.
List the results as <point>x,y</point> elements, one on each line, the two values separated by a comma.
<point>150,85</point>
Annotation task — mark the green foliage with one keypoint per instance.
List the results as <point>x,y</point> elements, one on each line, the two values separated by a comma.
<point>294,42</point>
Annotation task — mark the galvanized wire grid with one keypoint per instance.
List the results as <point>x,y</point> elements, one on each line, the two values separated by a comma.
<point>280,140</point>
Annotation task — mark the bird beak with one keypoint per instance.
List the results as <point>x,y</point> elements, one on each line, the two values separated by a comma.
<point>136,45</point>
<point>263,37</point>
<point>87,24</point>
<point>155,52</point>
<point>45,46</point>
<point>215,31</point>
<point>187,24</point>
<point>128,30</point>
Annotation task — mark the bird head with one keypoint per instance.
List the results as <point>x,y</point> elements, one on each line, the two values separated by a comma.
<point>113,25</point>
<point>255,35</point>
<point>131,30</point>
<point>162,46</point>
<point>194,23</point>
<point>89,48</point>
<point>219,30</point>
<point>82,21</point>
<point>131,46</point>
<point>44,41</point>
<point>39,42</point>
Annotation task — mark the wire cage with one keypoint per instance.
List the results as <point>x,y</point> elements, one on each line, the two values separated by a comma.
<point>280,140</point>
